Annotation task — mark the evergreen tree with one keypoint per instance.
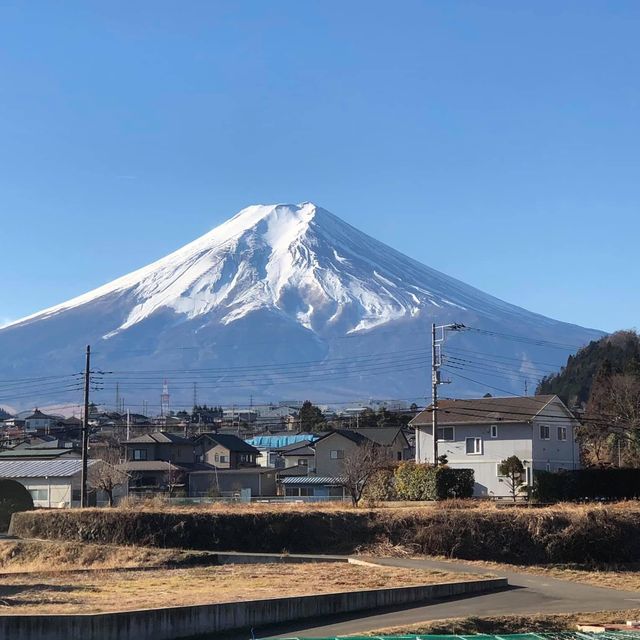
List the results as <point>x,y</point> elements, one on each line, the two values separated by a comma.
<point>311,417</point>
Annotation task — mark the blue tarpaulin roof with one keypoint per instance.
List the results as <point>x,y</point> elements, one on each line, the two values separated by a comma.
<point>277,442</point>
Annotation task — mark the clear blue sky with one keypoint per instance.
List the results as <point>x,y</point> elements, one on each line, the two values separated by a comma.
<point>496,141</point>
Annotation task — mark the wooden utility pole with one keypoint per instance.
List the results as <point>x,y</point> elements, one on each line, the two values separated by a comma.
<point>85,429</point>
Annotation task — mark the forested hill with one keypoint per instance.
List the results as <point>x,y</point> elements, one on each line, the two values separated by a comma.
<point>620,350</point>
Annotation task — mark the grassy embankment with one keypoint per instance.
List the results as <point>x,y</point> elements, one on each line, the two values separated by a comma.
<point>558,534</point>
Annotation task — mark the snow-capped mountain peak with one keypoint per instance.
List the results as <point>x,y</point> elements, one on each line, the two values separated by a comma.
<point>275,283</point>
<point>299,260</point>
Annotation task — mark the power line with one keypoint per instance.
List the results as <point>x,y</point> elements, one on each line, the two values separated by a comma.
<point>526,339</point>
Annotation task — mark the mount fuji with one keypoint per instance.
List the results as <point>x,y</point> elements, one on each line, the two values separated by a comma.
<point>281,301</point>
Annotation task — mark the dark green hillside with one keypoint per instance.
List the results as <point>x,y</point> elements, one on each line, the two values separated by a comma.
<point>621,350</point>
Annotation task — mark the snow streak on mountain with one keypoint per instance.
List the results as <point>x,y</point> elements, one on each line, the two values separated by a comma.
<point>273,286</point>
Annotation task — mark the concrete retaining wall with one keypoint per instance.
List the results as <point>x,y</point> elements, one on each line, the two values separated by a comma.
<point>181,622</point>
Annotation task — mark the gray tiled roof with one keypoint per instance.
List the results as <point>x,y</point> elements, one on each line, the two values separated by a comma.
<point>159,437</point>
<point>485,410</point>
<point>150,465</point>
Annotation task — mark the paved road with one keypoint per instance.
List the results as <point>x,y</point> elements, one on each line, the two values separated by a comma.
<point>527,594</point>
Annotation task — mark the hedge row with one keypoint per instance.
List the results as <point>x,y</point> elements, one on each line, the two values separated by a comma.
<point>425,482</point>
<point>413,482</point>
<point>523,536</point>
<point>587,484</point>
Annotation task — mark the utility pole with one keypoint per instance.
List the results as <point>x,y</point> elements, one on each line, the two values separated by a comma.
<point>85,429</point>
<point>435,380</point>
<point>436,363</point>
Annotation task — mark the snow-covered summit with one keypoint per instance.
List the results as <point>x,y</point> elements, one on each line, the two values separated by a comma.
<point>298,260</point>
<point>276,284</point>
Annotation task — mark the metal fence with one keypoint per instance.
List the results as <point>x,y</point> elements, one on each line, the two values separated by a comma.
<point>235,498</point>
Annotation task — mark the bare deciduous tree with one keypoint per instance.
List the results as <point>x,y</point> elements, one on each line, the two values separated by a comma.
<point>359,466</point>
<point>611,432</point>
<point>104,475</point>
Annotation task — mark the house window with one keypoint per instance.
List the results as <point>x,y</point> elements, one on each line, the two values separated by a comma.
<point>548,466</point>
<point>545,432</point>
<point>303,462</point>
<point>562,434</point>
<point>336,492</point>
<point>399,455</point>
<point>299,491</point>
<point>337,454</point>
<point>473,446</point>
<point>445,434</point>
<point>139,454</point>
<point>494,430</point>
<point>39,494</point>
<point>223,458</point>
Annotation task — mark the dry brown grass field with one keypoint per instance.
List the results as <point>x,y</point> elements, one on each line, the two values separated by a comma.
<point>97,591</point>
<point>18,556</point>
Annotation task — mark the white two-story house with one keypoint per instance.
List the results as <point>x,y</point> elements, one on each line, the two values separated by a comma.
<point>479,433</point>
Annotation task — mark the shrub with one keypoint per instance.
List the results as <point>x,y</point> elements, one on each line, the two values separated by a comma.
<point>13,497</point>
<point>587,484</point>
<point>425,482</point>
<point>381,487</point>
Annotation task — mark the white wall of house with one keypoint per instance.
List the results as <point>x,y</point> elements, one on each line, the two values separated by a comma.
<point>560,450</point>
<point>546,443</point>
<point>490,445</point>
<point>55,493</point>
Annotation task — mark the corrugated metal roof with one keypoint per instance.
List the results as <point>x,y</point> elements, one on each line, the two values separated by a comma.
<point>311,480</point>
<point>41,468</point>
<point>45,452</point>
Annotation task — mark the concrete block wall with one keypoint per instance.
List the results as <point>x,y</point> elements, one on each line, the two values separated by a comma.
<point>182,622</point>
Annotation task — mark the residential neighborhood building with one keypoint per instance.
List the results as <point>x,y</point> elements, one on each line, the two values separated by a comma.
<point>299,454</point>
<point>248,482</point>
<point>269,446</point>
<point>51,483</point>
<point>312,487</point>
<point>160,445</point>
<point>225,451</point>
<point>148,477</point>
<point>393,440</point>
<point>480,433</point>
<point>39,453</point>
<point>40,422</point>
